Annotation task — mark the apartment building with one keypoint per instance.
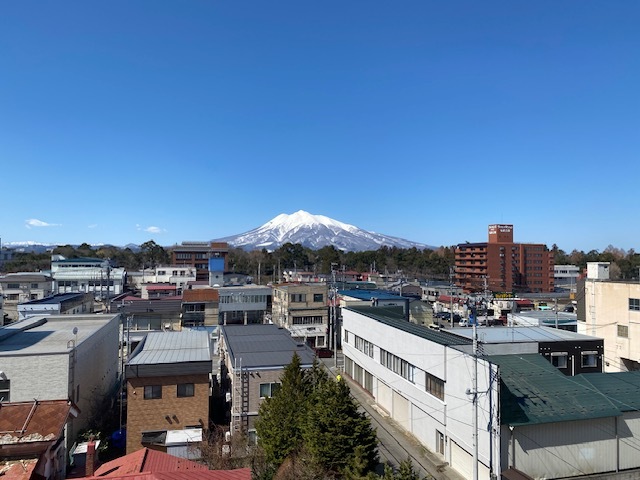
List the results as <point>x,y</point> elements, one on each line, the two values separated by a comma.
<point>168,389</point>
<point>252,358</point>
<point>245,304</point>
<point>208,258</point>
<point>17,288</point>
<point>500,265</point>
<point>94,275</point>
<point>611,309</point>
<point>302,308</point>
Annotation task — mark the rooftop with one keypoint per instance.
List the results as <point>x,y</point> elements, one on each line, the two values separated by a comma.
<point>57,298</point>
<point>33,422</point>
<point>263,346</point>
<point>533,391</point>
<point>397,320</point>
<point>369,294</point>
<point>520,334</point>
<point>49,334</point>
<point>173,347</point>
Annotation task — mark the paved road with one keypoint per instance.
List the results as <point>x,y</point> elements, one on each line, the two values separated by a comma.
<point>394,444</point>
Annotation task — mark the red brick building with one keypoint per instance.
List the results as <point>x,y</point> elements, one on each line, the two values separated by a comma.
<point>500,265</point>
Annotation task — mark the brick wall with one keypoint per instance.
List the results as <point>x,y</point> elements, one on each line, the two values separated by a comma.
<point>168,412</point>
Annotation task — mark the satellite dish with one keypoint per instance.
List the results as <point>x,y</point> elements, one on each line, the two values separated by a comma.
<point>75,330</point>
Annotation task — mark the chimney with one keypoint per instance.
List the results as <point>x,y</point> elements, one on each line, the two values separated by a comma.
<point>90,463</point>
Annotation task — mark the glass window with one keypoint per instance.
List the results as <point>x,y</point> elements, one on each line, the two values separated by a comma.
<point>623,331</point>
<point>268,389</point>
<point>634,304</point>
<point>186,390</point>
<point>318,297</point>
<point>434,386</point>
<point>559,360</point>
<point>589,359</point>
<point>152,391</point>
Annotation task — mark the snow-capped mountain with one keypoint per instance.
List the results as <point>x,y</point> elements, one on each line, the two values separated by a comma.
<point>315,232</point>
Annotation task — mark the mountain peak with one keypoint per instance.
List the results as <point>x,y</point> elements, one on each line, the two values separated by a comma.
<point>315,232</point>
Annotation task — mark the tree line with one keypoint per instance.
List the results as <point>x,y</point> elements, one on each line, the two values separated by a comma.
<point>412,262</point>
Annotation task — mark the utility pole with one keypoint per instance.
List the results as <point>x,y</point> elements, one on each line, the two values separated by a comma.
<point>475,402</point>
<point>451,296</point>
<point>555,307</point>
<point>334,317</point>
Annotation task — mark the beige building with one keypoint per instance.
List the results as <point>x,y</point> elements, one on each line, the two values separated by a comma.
<point>611,310</point>
<point>21,288</point>
<point>302,308</point>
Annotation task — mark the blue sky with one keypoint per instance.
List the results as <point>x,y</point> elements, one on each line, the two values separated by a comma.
<point>124,121</point>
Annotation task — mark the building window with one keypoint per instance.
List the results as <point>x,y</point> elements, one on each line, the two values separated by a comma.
<point>268,389</point>
<point>13,286</point>
<point>364,346</point>
<point>559,359</point>
<point>623,331</point>
<point>634,304</point>
<point>34,285</point>
<point>318,297</point>
<point>397,365</point>
<point>589,359</point>
<point>298,297</point>
<point>434,386</point>
<point>152,391</point>
<point>5,390</point>
<point>439,442</point>
<point>186,390</point>
<point>346,336</point>
<point>307,320</point>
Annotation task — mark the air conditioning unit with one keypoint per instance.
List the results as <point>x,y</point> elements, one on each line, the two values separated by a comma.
<point>228,397</point>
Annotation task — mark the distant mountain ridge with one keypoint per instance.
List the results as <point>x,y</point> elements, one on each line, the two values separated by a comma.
<point>314,232</point>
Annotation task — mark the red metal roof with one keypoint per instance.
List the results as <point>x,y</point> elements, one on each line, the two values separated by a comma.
<point>146,460</point>
<point>35,421</point>
<point>239,474</point>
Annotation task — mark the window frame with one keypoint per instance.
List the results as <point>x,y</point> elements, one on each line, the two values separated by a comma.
<point>270,386</point>
<point>587,355</point>
<point>189,390</point>
<point>558,355</point>
<point>152,392</point>
<point>634,304</point>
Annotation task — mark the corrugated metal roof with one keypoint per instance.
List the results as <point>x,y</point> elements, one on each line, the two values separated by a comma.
<point>397,320</point>
<point>173,347</point>
<point>369,294</point>
<point>263,346</point>
<point>533,391</point>
<point>620,388</point>
<point>146,460</point>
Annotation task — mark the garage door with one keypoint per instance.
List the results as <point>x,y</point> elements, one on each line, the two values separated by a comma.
<point>385,396</point>
<point>401,411</point>
<point>461,460</point>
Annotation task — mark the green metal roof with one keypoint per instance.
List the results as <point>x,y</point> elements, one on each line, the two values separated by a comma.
<point>620,388</point>
<point>532,391</point>
<point>394,317</point>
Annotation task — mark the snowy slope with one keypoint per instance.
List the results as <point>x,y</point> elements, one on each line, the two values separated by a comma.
<point>315,232</point>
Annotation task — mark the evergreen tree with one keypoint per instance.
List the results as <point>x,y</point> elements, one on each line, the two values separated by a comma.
<point>279,426</point>
<point>334,429</point>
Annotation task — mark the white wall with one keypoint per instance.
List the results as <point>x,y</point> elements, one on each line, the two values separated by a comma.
<point>454,415</point>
